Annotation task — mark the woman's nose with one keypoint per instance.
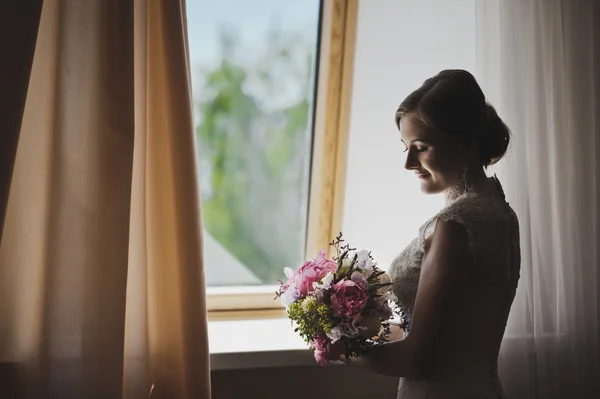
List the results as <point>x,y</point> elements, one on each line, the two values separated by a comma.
<point>411,161</point>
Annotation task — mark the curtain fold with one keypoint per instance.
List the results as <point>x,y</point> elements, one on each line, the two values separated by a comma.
<point>101,277</point>
<point>538,62</point>
<point>166,238</point>
<point>17,20</point>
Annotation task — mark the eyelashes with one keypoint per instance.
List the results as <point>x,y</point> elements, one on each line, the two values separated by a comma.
<point>419,149</point>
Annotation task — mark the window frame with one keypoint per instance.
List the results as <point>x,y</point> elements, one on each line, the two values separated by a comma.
<point>328,160</point>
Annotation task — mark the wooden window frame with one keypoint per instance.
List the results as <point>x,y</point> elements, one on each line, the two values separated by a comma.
<point>328,165</point>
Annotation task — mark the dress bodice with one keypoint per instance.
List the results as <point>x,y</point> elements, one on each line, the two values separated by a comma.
<point>493,234</point>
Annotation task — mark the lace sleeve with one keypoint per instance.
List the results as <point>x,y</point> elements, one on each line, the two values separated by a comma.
<point>487,231</point>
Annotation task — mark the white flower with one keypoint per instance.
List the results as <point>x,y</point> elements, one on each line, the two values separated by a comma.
<point>364,260</point>
<point>289,273</point>
<point>346,264</point>
<point>367,272</point>
<point>325,282</point>
<point>287,297</point>
<point>351,330</point>
<point>335,334</point>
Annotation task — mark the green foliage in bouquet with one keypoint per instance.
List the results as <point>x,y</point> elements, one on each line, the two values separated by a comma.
<point>312,318</point>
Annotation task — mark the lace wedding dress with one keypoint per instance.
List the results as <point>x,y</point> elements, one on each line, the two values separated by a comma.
<point>467,365</point>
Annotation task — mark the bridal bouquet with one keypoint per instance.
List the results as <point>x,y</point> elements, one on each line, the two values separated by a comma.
<point>340,306</point>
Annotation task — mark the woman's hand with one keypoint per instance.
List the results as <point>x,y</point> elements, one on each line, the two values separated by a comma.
<point>355,361</point>
<point>397,333</point>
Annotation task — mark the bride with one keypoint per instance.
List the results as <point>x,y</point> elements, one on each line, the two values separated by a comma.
<point>457,279</point>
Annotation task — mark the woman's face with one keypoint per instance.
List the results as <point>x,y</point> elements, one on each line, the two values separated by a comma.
<point>437,160</point>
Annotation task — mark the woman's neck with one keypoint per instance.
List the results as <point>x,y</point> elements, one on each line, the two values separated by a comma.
<point>473,181</point>
<point>476,177</point>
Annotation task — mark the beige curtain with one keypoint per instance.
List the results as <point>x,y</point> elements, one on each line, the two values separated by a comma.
<point>17,19</point>
<point>101,279</point>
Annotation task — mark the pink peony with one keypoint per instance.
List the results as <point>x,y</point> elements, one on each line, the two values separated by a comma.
<point>326,351</point>
<point>312,271</point>
<point>348,299</point>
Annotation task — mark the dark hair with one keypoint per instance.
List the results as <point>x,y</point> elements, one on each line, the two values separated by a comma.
<point>452,102</point>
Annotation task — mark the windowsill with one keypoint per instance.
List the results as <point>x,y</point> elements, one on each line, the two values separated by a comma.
<point>256,343</point>
<point>245,298</point>
<point>256,339</point>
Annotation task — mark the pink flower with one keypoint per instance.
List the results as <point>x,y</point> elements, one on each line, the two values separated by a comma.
<point>312,271</point>
<point>306,279</point>
<point>326,351</point>
<point>348,299</point>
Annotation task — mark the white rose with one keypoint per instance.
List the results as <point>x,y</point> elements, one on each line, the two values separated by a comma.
<point>325,282</point>
<point>335,334</point>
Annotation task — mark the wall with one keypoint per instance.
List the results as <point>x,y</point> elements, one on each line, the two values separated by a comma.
<point>302,383</point>
<point>400,43</point>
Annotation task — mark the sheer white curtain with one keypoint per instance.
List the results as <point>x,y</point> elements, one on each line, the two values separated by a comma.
<point>539,63</point>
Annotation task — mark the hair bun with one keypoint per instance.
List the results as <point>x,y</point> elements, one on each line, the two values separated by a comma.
<point>495,138</point>
<point>453,104</point>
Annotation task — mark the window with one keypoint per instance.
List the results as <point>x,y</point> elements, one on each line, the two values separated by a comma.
<point>268,93</point>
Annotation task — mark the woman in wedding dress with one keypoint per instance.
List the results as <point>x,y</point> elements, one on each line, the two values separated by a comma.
<point>457,280</point>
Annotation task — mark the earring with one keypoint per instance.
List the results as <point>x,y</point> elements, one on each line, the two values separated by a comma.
<point>464,177</point>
